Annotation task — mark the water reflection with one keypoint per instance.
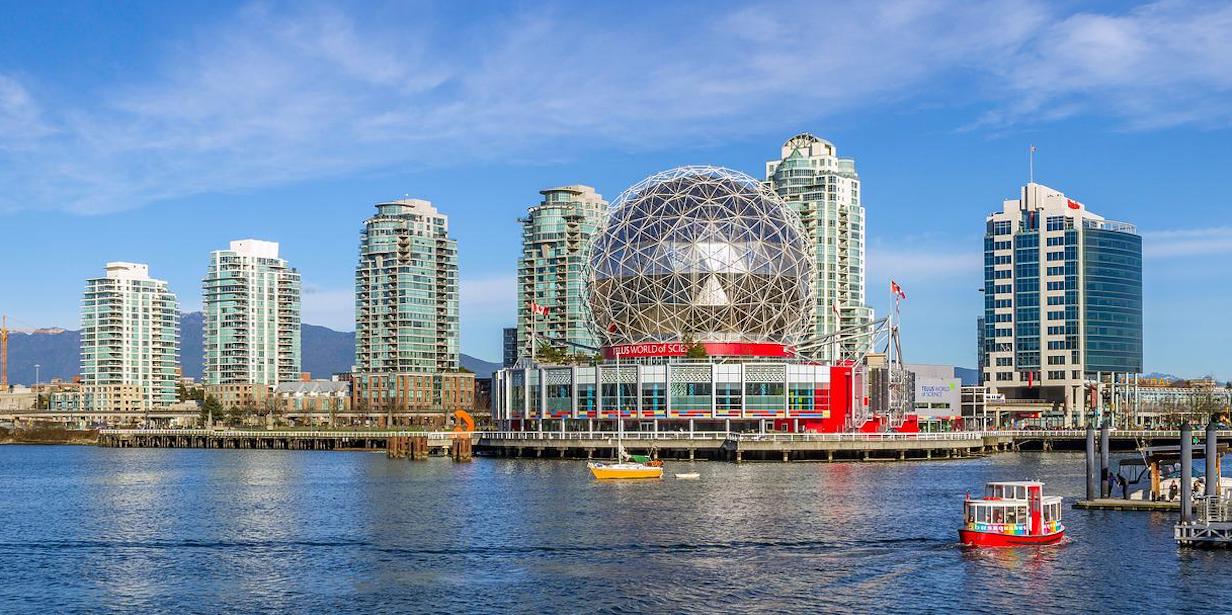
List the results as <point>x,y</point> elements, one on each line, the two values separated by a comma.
<point>242,530</point>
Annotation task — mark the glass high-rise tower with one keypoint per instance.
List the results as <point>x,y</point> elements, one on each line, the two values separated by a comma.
<point>406,291</point>
<point>130,341</point>
<point>251,304</point>
<point>1062,300</point>
<point>825,191</point>
<point>551,272</point>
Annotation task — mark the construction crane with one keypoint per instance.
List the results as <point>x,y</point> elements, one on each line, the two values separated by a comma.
<point>4,353</point>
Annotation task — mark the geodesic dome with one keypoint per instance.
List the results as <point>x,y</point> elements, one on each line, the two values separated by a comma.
<point>705,253</point>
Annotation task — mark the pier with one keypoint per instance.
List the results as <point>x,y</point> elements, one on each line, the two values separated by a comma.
<point>680,445</point>
<point>288,439</point>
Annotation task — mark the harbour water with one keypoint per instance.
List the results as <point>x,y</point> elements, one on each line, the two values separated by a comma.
<point>192,530</point>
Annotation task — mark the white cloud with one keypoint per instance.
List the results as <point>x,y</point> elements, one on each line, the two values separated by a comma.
<point>1161,64</point>
<point>1187,242</point>
<point>268,98</point>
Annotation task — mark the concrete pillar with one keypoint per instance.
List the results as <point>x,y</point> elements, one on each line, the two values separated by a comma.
<point>1186,472</point>
<point>1104,463</point>
<point>1212,459</point>
<point>691,452</point>
<point>829,455</point>
<point>739,457</point>
<point>1092,487</point>
<point>786,456</point>
<point>902,455</point>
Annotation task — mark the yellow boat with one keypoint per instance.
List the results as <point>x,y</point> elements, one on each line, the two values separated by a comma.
<point>606,471</point>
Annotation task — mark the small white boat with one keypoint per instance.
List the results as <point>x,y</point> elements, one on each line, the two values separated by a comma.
<point>688,476</point>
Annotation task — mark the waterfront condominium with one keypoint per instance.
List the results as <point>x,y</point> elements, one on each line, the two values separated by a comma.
<point>130,341</point>
<point>1062,303</point>
<point>406,310</point>
<point>251,304</point>
<point>825,191</point>
<point>551,272</point>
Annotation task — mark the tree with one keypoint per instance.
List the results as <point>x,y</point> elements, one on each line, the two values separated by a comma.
<point>236,415</point>
<point>546,353</point>
<point>210,409</point>
<point>694,349</point>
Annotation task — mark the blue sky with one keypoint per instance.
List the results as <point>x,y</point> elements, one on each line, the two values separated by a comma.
<point>156,132</point>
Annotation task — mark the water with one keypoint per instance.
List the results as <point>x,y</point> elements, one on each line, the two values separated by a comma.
<point>92,529</point>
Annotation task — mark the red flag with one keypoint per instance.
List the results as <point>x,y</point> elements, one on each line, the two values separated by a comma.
<point>1030,379</point>
<point>897,290</point>
<point>611,328</point>
<point>539,310</point>
<point>1073,204</point>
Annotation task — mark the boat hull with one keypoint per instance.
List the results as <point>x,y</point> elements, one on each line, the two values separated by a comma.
<point>609,472</point>
<point>973,538</point>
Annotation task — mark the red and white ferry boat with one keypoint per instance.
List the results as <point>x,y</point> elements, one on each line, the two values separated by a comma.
<point>1011,514</point>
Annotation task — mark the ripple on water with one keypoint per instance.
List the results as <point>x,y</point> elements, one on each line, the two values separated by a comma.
<point>209,531</point>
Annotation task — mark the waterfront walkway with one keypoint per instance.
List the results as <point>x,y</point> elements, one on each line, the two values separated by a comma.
<point>715,445</point>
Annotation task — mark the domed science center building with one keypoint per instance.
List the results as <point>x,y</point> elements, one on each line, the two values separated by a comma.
<point>699,284</point>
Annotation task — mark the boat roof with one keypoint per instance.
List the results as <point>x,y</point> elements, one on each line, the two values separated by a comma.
<point>1048,499</point>
<point>1016,483</point>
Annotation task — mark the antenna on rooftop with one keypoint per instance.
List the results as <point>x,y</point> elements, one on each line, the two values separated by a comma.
<point>1031,165</point>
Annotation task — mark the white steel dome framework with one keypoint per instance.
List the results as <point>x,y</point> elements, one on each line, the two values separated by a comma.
<point>702,253</point>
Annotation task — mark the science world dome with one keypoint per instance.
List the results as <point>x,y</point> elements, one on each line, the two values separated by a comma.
<point>704,254</point>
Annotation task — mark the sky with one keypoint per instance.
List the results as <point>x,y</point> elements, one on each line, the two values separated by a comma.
<point>156,132</point>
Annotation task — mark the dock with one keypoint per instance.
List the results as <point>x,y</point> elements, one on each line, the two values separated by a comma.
<point>699,445</point>
<point>1128,505</point>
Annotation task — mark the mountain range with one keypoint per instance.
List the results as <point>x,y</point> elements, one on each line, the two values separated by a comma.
<point>323,352</point>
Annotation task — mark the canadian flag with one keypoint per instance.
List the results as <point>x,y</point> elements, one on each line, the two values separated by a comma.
<point>538,310</point>
<point>897,290</point>
<point>1073,204</point>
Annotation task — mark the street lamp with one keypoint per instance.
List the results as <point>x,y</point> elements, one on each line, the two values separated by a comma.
<point>36,373</point>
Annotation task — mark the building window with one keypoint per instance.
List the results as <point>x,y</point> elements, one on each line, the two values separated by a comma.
<point>1005,376</point>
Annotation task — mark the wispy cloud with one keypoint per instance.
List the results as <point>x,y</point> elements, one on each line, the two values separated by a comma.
<point>270,97</point>
<point>1160,64</point>
<point>1187,242</point>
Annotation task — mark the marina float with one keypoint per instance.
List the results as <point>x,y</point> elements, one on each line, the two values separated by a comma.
<point>1013,513</point>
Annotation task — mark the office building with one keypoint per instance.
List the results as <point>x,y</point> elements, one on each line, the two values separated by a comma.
<point>130,341</point>
<point>555,236</point>
<point>825,191</point>
<point>251,306</point>
<point>510,346</point>
<point>1062,304</point>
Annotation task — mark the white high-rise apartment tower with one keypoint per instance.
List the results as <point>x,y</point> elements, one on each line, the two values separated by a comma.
<point>251,303</point>
<point>130,341</point>
<point>825,191</point>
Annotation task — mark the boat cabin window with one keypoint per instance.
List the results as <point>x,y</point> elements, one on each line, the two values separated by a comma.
<point>998,515</point>
<point>1020,492</point>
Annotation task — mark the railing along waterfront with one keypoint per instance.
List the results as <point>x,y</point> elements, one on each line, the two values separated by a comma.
<point>1145,434</point>
<point>1213,508</point>
<point>604,435</point>
<point>281,433</point>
